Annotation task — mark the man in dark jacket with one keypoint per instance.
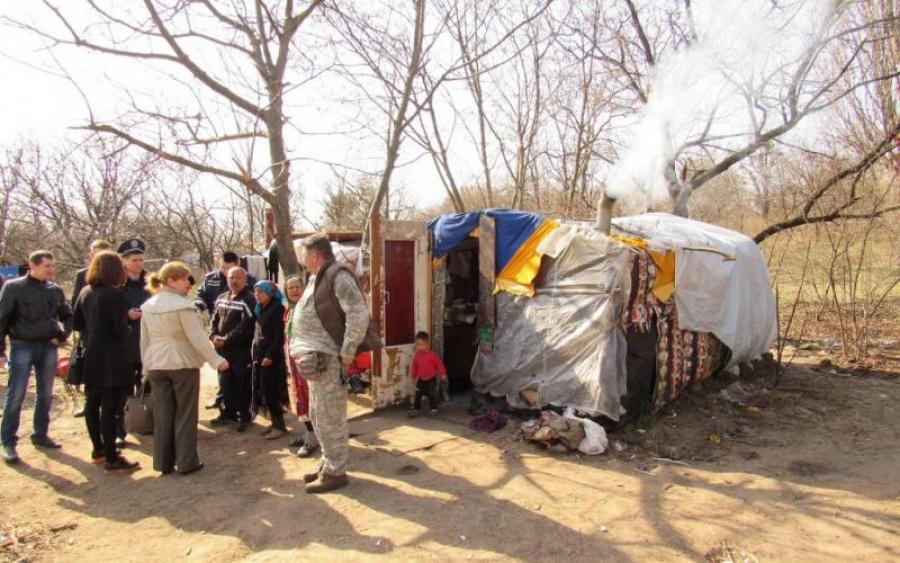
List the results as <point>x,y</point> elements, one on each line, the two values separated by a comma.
<point>214,284</point>
<point>135,289</point>
<point>36,316</point>
<point>233,324</point>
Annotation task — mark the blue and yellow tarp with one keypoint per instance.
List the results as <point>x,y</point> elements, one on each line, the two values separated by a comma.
<point>518,234</point>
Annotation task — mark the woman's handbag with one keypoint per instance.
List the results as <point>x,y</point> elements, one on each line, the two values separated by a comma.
<point>139,413</point>
<point>75,375</point>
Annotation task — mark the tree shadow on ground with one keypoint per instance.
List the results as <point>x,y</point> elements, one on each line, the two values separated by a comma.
<point>256,501</point>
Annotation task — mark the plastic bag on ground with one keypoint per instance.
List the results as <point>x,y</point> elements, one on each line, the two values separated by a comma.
<point>595,441</point>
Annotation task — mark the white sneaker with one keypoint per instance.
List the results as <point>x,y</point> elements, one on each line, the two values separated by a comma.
<point>9,454</point>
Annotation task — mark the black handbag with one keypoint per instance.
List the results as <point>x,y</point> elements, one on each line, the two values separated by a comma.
<point>76,366</point>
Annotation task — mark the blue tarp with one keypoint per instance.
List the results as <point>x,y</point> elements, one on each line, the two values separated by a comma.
<point>513,228</point>
<point>451,229</point>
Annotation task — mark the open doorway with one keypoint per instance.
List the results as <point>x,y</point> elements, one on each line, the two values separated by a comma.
<point>460,313</point>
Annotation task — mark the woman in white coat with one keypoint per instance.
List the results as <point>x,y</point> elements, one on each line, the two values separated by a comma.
<point>174,346</point>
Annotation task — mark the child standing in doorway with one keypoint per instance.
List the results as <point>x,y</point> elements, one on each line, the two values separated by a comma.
<point>425,369</point>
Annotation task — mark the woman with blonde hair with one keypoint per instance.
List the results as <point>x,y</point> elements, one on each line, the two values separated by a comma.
<point>173,348</point>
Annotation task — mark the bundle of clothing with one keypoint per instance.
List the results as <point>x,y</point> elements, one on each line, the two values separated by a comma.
<point>566,433</point>
<point>490,422</point>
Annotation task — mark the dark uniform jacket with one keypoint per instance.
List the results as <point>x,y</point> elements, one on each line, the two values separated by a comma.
<point>136,293</point>
<point>101,316</point>
<point>235,321</point>
<point>80,282</point>
<point>33,310</point>
<point>213,285</point>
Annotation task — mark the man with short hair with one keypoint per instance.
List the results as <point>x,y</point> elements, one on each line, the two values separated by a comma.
<point>38,319</point>
<point>135,289</point>
<point>98,245</point>
<point>214,284</point>
<point>331,326</point>
<point>233,324</point>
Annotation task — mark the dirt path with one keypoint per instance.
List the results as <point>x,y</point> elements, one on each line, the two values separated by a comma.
<point>810,471</point>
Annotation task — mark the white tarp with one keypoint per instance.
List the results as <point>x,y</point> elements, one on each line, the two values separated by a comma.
<point>731,298</point>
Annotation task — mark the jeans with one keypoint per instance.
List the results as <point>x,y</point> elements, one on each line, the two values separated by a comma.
<point>23,355</point>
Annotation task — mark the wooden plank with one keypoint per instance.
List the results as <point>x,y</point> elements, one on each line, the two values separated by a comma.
<point>376,287</point>
<point>438,298</point>
<point>487,305</point>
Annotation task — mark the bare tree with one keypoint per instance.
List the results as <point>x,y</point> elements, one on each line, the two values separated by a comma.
<point>643,39</point>
<point>92,190</point>
<point>10,181</point>
<point>392,49</point>
<point>253,47</point>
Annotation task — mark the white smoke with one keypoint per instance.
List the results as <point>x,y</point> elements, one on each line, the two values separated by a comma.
<point>741,45</point>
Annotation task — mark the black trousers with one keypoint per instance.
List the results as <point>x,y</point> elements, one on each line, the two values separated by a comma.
<point>101,410</point>
<point>237,385</point>
<point>432,389</point>
<point>270,391</point>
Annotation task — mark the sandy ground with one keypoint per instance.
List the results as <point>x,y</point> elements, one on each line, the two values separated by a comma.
<point>809,471</point>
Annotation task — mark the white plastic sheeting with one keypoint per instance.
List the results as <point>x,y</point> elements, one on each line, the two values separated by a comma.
<point>731,298</point>
<point>565,341</point>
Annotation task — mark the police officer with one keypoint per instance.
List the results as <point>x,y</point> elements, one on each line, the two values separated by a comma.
<point>135,289</point>
<point>214,284</point>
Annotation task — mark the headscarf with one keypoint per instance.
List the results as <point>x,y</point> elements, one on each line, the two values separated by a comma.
<point>269,289</point>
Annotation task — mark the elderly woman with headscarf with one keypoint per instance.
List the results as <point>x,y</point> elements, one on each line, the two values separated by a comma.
<point>269,366</point>
<point>306,441</point>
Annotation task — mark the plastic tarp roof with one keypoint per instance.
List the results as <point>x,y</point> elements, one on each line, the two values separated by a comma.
<point>721,282</point>
<point>513,229</point>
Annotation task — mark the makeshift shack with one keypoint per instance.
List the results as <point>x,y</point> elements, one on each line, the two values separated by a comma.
<point>549,312</point>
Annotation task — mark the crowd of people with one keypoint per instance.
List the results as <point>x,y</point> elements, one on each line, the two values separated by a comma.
<point>139,332</point>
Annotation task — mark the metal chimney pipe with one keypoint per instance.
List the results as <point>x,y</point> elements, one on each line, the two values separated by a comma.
<point>604,213</point>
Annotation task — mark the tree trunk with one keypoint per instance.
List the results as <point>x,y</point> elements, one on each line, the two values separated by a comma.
<point>281,173</point>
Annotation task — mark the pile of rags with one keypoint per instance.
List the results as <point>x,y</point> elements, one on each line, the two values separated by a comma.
<point>489,422</point>
<point>566,433</point>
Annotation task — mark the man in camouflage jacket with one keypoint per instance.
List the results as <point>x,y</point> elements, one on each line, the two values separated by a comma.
<point>331,325</point>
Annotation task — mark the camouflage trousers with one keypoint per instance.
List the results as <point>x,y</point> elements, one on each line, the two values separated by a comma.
<point>328,414</point>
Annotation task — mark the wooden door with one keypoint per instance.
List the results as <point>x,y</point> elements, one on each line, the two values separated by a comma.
<point>401,293</point>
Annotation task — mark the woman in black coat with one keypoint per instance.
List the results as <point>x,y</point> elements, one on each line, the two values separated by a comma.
<point>101,315</point>
<point>269,364</point>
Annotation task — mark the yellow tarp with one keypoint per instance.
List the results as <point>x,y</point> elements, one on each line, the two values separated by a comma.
<point>664,283</point>
<point>518,275</point>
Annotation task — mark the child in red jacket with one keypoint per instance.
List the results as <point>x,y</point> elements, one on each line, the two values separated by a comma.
<point>425,369</point>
